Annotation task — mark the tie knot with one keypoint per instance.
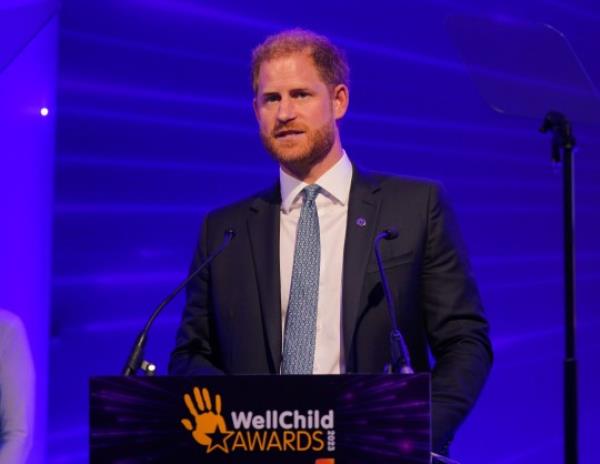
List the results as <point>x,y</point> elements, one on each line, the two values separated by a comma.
<point>311,192</point>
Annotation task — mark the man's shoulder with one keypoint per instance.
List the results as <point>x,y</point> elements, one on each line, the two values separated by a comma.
<point>396,183</point>
<point>266,197</point>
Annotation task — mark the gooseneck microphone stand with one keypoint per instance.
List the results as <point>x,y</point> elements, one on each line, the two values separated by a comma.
<point>135,362</point>
<point>563,143</point>
<point>400,362</point>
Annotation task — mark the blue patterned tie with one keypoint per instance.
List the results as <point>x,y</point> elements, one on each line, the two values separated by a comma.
<point>301,322</point>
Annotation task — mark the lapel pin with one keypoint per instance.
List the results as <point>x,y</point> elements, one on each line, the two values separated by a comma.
<point>361,222</point>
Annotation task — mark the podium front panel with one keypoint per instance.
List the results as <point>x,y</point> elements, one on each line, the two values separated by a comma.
<point>313,419</point>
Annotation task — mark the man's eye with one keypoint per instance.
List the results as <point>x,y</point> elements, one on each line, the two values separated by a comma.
<point>271,98</point>
<point>301,95</point>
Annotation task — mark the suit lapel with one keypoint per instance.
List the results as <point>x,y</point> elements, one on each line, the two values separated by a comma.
<point>361,229</point>
<point>263,230</point>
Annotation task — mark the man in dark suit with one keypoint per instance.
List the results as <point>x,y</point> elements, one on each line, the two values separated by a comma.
<point>298,291</point>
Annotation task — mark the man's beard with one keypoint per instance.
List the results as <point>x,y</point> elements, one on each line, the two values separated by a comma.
<point>302,156</point>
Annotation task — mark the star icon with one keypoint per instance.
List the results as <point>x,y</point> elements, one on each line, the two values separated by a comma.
<point>218,439</point>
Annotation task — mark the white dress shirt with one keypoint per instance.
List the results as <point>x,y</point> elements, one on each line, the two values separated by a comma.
<point>332,207</point>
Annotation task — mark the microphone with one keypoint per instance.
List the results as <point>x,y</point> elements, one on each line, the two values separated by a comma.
<point>134,362</point>
<point>400,362</point>
<point>390,234</point>
<point>400,356</point>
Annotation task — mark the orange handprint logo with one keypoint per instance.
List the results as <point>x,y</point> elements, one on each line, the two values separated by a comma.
<point>209,428</point>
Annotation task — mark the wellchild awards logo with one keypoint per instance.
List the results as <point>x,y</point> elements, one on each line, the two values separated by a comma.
<point>257,431</point>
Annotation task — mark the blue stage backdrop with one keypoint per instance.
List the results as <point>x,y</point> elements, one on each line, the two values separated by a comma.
<point>28,72</point>
<point>155,127</point>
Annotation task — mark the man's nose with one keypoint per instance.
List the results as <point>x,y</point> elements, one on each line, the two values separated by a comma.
<point>286,110</point>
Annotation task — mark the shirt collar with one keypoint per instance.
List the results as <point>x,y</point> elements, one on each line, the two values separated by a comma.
<point>335,184</point>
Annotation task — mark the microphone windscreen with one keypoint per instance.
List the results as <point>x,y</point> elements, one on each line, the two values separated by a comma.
<point>391,233</point>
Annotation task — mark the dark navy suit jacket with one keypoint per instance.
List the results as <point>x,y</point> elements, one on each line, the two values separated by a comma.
<point>232,319</point>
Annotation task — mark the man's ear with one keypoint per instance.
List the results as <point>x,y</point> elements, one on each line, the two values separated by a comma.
<point>341,100</point>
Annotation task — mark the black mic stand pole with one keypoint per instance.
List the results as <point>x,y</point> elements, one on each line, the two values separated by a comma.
<point>563,142</point>
<point>400,362</point>
<point>135,361</point>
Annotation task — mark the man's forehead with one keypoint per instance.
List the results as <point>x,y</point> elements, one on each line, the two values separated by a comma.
<point>303,55</point>
<point>290,70</point>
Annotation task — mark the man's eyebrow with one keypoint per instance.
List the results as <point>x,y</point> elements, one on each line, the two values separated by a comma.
<point>270,94</point>
<point>301,89</point>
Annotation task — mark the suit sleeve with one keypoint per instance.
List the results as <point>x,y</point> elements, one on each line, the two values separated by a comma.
<point>196,351</point>
<point>457,329</point>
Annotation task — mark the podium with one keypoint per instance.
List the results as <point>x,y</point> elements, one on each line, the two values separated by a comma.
<point>312,419</point>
